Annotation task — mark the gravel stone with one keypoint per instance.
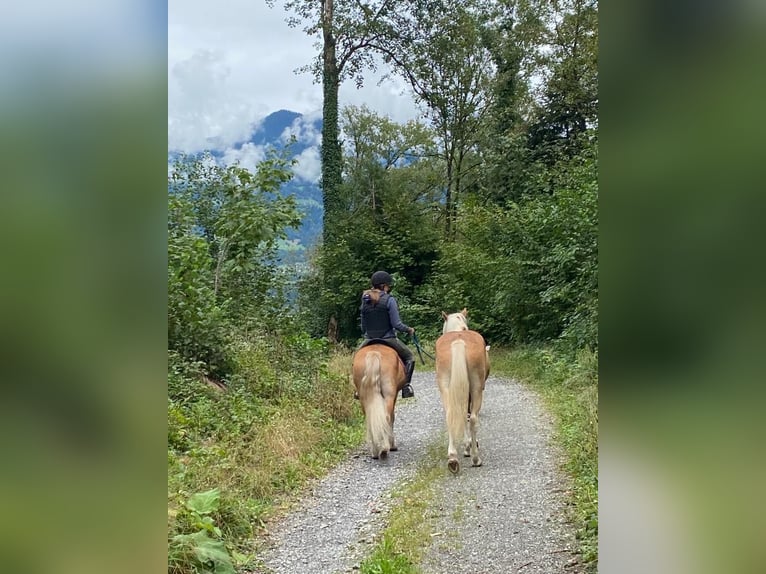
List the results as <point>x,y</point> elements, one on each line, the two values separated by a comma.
<point>505,516</point>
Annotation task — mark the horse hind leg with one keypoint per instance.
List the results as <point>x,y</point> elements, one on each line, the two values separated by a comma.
<point>466,435</point>
<point>392,417</point>
<point>474,443</point>
<point>453,464</point>
<point>379,451</point>
<point>473,427</point>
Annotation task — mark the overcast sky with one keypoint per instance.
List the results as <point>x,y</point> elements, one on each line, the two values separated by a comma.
<point>232,62</point>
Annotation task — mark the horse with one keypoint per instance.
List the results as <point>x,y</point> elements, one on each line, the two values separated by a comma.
<point>462,368</point>
<point>378,375</point>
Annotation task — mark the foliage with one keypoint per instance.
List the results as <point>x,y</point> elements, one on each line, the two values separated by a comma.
<point>528,271</point>
<point>496,207</point>
<point>387,223</point>
<point>233,454</point>
<point>223,228</point>
<point>203,544</point>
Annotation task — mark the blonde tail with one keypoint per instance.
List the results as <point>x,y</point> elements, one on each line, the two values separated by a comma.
<point>375,407</point>
<point>457,402</point>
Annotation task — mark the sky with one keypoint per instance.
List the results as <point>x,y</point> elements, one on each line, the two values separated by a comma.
<point>233,62</point>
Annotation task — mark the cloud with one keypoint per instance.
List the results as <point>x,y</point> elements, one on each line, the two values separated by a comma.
<point>248,156</point>
<point>309,166</point>
<point>204,112</point>
<point>305,129</point>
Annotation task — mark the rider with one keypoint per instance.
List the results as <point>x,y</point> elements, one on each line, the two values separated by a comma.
<point>380,316</point>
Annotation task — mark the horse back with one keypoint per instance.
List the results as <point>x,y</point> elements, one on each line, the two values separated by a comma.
<point>475,351</point>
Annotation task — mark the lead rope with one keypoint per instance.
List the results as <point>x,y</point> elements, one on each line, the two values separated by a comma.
<point>420,349</point>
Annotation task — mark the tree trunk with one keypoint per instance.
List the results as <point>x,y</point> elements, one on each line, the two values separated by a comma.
<point>331,152</point>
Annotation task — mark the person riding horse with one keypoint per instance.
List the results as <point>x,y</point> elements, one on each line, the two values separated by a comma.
<point>380,317</point>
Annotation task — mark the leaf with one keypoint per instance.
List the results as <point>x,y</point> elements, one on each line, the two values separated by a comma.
<point>208,552</point>
<point>214,551</point>
<point>204,502</point>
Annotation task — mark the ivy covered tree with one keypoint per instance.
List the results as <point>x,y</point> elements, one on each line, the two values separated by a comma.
<point>347,29</point>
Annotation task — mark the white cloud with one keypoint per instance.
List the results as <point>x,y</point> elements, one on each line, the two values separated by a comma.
<point>248,156</point>
<point>304,130</point>
<point>204,111</point>
<point>309,166</point>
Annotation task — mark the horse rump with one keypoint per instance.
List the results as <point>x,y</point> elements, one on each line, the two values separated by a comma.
<point>374,369</point>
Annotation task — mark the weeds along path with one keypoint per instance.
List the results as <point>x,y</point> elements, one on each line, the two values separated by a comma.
<point>506,516</point>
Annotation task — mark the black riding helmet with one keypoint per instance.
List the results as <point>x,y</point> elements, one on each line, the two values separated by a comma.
<point>381,278</point>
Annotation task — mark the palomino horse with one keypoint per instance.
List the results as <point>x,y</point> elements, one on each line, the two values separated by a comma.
<point>378,377</point>
<point>462,368</point>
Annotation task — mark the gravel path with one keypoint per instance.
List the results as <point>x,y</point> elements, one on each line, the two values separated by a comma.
<point>506,516</point>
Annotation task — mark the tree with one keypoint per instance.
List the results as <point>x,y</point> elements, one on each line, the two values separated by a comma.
<point>437,46</point>
<point>347,29</point>
<point>514,36</point>
<point>223,228</point>
<point>570,98</point>
<point>390,190</point>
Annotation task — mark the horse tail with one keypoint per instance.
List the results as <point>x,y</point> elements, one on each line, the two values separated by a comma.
<point>457,401</point>
<point>375,405</point>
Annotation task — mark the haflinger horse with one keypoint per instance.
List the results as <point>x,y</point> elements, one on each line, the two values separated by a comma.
<point>379,375</point>
<point>462,368</point>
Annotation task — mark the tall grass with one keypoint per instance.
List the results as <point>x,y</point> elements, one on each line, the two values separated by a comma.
<point>286,417</point>
<point>568,383</point>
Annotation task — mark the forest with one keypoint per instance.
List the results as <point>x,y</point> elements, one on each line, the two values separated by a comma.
<point>488,202</point>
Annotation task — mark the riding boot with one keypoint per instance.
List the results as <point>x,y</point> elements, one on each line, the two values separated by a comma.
<point>409,368</point>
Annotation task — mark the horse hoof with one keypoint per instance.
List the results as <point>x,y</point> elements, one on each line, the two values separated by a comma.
<point>453,466</point>
<point>384,454</point>
<point>394,448</point>
<point>477,462</point>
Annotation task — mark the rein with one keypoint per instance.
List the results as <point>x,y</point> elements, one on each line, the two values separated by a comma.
<point>420,349</point>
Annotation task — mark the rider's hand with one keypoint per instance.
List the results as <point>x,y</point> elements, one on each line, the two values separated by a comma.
<point>412,331</point>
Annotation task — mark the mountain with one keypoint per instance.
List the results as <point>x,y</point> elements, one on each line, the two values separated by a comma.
<point>273,126</point>
<point>274,131</point>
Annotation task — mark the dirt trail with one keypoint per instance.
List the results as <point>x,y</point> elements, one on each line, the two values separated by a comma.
<point>506,516</point>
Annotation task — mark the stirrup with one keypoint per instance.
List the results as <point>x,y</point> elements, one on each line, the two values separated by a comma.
<point>407,391</point>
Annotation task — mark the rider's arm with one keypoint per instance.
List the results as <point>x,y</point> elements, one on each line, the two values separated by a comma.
<point>393,315</point>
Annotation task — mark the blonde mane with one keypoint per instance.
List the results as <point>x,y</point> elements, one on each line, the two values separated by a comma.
<point>455,321</point>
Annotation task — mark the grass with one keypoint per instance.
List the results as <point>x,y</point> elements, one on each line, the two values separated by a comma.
<point>569,386</point>
<point>258,450</point>
<point>402,544</point>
